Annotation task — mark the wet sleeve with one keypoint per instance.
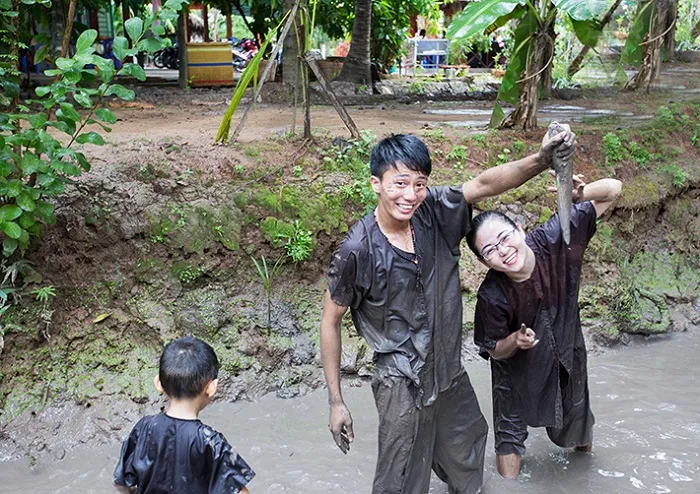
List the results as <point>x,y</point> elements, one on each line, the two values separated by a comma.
<point>125,473</point>
<point>453,214</point>
<point>230,473</point>
<point>583,223</point>
<point>344,274</point>
<point>490,319</point>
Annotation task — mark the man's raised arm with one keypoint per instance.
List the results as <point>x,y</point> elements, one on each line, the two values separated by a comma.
<point>340,422</point>
<point>503,178</point>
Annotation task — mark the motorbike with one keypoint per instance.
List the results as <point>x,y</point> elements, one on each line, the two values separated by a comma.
<point>243,50</point>
<point>167,57</point>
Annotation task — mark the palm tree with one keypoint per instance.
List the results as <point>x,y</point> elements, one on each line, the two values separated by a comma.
<point>357,66</point>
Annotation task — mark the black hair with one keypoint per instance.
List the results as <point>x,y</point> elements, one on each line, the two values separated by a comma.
<point>187,365</point>
<point>478,221</point>
<point>400,148</point>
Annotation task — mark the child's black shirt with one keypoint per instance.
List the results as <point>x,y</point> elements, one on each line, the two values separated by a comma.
<point>177,456</point>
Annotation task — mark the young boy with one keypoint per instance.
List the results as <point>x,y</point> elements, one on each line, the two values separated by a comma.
<point>527,321</point>
<point>173,452</point>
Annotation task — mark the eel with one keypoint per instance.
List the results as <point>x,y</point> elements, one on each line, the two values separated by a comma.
<point>564,170</point>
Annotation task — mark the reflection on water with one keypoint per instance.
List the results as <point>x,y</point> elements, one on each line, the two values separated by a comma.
<point>647,438</point>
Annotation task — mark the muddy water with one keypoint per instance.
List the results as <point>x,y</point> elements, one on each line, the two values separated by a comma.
<point>647,438</point>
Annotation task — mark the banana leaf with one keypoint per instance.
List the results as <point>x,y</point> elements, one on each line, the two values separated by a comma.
<point>509,90</point>
<point>583,10</point>
<point>478,16</point>
<point>588,32</point>
<point>633,52</point>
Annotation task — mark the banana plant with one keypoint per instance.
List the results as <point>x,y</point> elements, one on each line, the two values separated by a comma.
<point>533,50</point>
<point>652,21</point>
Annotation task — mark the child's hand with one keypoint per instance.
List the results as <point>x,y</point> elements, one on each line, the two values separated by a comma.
<point>525,338</point>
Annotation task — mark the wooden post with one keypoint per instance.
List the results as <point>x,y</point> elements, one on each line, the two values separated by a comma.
<point>342,112</point>
<point>182,37</point>
<point>268,69</point>
<point>125,17</point>
<point>205,18</point>
<point>229,27</point>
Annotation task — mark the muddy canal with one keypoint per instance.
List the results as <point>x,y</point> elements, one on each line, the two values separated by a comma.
<point>647,438</point>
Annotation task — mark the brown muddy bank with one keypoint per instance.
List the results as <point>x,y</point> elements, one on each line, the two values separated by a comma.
<point>157,242</point>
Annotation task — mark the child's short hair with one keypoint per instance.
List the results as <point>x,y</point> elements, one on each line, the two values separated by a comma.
<point>187,365</point>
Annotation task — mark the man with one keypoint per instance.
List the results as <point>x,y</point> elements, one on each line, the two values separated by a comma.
<point>397,270</point>
<point>527,322</point>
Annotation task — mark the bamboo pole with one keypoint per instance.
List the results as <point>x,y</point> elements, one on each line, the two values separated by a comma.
<point>267,70</point>
<point>342,112</point>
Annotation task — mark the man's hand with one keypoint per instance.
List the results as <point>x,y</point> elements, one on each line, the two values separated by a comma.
<point>340,424</point>
<point>579,185</point>
<point>525,338</point>
<point>562,145</point>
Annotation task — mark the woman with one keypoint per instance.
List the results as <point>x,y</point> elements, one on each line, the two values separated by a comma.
<point>527,322</point>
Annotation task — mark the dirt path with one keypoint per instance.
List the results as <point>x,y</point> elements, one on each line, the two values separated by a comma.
<point>194,116</point>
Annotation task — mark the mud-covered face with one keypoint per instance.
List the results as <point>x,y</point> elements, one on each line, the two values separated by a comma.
<point>501,246</point>
<point>400,191</point>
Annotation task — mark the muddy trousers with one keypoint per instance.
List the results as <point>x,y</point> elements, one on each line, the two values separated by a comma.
<point>511,432</point>
<point>448,437</point>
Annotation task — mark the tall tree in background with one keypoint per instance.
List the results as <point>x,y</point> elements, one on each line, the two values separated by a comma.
<point>357,67</point>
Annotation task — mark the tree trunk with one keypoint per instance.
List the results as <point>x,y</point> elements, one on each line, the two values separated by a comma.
<point>548,58</point>
<point>525,113</point>
<point>357,67</point>
<point>670,15</point>
<point>577,63</point>
<point>653,42</point>
<point>58,23</point>
<point>182,46</point>
<point>290,50</point>
<point>65,46</point>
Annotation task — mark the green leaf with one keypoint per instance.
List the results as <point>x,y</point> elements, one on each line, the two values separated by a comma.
<point>9,246</point>
<point>478,16</point>
<point>633,51</point>
<point>90,137</point>
<point>13,188</point>
<point>64,63</point>
<point>42,91</point>
<point>2,142</point>
<point>26,202</point>
<point>583,10</point>
<point>134,27</point>
<point>44,211</point>
<point>175,5</point>
<point>11,229</point>
<point>134,70</point>
<point>120,92</point>
<point>105,115</point>
<point>27,220</point>
<point>9,212</point>
<point>86,40</point>
<point>150,45</point>
<point>497,115</point>
<point>510,88</point>
<point>30,163</point>
<point>119,46</point>
<point>587,32</point>
<point>68,112</point>
<point>37,121</point>
<point>158,30</point>
<point>83,99</point>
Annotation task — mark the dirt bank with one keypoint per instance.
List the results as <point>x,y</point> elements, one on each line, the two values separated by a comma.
<point>157,242</point>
